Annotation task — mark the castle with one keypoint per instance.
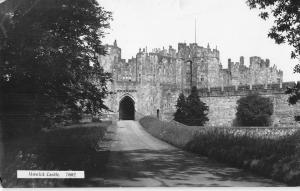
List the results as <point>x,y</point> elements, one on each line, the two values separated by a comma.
<point>190,65</point>
<point>149,84</point>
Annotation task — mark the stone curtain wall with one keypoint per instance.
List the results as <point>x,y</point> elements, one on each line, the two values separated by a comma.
<point>222,103</point>
<point>222,110</point>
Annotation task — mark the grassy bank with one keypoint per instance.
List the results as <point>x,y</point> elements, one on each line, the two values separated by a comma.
<point>69,148</point>
<point>274,153</point>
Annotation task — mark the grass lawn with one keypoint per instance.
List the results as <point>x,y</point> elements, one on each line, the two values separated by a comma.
<point>69,148</point>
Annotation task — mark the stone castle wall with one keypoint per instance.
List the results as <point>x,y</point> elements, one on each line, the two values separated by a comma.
<point>258,72</point>
<point>155,79</point>
<point>222,103</point>
<point>190,65</point>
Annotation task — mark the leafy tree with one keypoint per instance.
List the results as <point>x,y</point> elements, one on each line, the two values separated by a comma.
<point>294,94</point>
<point>180,114</point>
<point>50,50</point>
<point>294,97</point>
<point>286,29</point>
<point>191,111</point>
<point>196,109</point>
<point>254,110</point>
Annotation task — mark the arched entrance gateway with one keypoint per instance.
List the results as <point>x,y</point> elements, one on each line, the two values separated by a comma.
<point>126,108</point>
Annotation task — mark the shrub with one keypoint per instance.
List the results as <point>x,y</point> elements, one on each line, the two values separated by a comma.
<point>297,118</point>
<point>191,110</point>
<point>254,110</point>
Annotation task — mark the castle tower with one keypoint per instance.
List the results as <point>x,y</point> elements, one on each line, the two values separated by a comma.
<point>242,60</point>
<point>111,61</point>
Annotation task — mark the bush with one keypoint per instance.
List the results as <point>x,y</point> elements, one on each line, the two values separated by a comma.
<point>254,110</point>
<point>297,118</point>
<point>191,110</point>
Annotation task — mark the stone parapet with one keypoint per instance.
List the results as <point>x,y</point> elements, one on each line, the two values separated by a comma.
<point>245,90</point>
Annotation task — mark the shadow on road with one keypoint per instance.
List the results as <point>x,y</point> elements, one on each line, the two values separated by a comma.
<point>136,159</point>
<point>174,168</point>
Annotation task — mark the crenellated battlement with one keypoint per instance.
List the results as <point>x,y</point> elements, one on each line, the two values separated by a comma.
<point>258,72</point>
<point>255,62</point>
<point>242,90</point>
<point>189,65</point>
<point>184,51</point>
<point>194,50</point>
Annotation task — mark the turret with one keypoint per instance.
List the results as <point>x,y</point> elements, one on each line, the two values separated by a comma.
<point>267,62</point>
<point>242,60</point>
<point>182,49</point>
<point>229,64</point>
<point>181,46</point>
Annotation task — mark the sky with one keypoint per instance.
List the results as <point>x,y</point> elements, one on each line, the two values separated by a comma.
<point>228,25</point>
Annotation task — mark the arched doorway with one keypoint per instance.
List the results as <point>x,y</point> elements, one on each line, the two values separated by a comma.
<point>126,109</point>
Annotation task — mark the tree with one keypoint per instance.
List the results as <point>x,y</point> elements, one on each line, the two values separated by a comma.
<point>254,110</point>
<point>50,50</point>
<point>294,97</point>
<point>191,111</point>
<point>196,109</point>
<point>286,29</point>
<point>294,94</point>
<point>180,114</point>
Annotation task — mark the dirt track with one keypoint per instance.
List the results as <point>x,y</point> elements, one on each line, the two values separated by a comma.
<point>138,159</point>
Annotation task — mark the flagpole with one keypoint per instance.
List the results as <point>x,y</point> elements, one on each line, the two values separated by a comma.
<point>195,30</point>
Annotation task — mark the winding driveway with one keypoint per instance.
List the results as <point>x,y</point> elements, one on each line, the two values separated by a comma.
<point>138,159</point>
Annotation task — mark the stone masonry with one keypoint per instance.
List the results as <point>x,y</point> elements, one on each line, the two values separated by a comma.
<point>154,80</point>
